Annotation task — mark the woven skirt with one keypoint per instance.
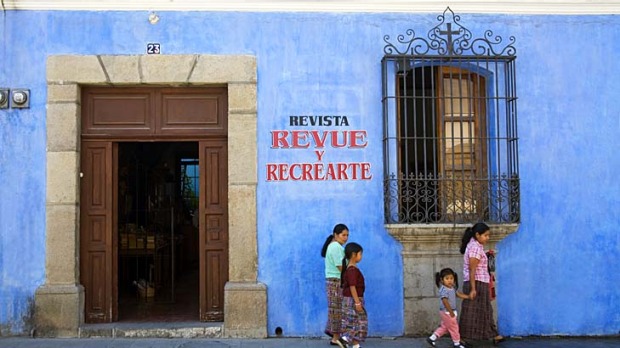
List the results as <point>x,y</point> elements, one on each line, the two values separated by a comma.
<point>476,320</point>
<point>334,306</point>
<point>354,324</point>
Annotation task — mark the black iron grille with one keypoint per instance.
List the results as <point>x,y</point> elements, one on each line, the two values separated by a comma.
<point>450,128</point>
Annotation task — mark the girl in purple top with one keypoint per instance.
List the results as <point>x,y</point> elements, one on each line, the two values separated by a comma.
<point>354,318</point>
<point>476,322</point>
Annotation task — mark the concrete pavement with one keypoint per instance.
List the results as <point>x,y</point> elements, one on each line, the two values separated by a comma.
<point>401,342</point>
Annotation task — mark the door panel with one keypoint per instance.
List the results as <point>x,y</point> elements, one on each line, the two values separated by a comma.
<point>124,111</point>
<point>130,112</point>
<point>214,228</point>
<point>97,254</point>
<point>192,111</point>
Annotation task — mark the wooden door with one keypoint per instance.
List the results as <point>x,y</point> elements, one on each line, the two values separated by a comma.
<point>213,238</point>
<point>110,115</point>
<point>97,252</point>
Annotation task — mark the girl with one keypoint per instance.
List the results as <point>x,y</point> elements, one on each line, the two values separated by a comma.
<point>476,313</point>
<point>447,282</point>
<point>333,253</point>
<point>354,318</point>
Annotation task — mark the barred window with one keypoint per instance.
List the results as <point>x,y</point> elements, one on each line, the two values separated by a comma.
<point>450,133</point>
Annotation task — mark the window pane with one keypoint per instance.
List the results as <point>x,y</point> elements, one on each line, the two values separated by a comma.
<point>457,93</point>
<point>459,137</point>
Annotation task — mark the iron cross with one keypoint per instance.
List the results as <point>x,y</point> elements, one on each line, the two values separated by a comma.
<point>449,33</point>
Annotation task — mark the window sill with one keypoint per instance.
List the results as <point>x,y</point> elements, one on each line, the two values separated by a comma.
<point>442,237</point>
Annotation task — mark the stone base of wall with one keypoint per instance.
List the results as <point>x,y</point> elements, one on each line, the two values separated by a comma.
<point>150,330</point>
<point>426,250</point>
<point>58,310</point>
<point>246,310</point>
<point>421,300</point>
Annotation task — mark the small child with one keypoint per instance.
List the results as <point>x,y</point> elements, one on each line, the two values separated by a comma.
<point>354,318</point>
<point>447,281</point>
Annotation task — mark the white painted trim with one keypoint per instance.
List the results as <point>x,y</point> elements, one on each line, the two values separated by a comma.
<point>564,7</point>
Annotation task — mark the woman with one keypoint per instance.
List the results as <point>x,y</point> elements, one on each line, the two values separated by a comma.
<point>476,322</point>
<point>333,252</point>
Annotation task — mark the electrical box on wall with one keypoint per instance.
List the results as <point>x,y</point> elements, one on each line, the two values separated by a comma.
<point>20,98</point>
<point>4,98</point>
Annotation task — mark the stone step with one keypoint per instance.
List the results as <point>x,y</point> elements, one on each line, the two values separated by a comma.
<point>152,330</point>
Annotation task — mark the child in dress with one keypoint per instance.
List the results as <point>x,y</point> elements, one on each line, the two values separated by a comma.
<point>354,318</point>
<point>447,281</point>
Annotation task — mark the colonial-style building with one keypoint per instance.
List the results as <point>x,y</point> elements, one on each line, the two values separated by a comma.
<point>183,161</point>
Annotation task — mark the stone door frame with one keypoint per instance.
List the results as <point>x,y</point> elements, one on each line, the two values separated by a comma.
<point>59,302</point>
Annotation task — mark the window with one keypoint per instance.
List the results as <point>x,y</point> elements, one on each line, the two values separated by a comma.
<point>189,184</point>
<point>450,136</point>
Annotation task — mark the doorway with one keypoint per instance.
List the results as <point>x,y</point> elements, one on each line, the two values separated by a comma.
<point>158,221</point>
<point>63,301</point>
<point>154,204</point>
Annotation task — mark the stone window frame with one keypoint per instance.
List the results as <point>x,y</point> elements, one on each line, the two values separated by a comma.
<point>59,302</point>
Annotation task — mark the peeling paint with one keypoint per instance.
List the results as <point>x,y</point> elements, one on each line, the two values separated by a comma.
<point>19,315</point>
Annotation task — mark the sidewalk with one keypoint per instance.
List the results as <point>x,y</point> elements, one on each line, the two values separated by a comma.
<point>527,342</point>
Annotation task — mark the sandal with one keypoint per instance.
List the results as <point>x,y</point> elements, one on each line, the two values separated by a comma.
<point>499,339</point>
<point>337,343</point>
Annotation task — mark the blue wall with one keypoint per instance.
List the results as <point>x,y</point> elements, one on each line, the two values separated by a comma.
<point>22,178</point>
<point>558,271</point>
<point>556,274</point>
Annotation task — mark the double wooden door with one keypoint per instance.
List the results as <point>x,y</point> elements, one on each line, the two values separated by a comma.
<point>114,115</point>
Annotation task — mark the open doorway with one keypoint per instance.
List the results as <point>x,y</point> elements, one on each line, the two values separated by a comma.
<point>158,234</point>
<point>134,143</point>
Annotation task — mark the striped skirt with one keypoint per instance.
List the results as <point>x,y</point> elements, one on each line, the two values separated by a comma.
<point>476,322</point>
<point>354,324</point>
<point>334,305</point>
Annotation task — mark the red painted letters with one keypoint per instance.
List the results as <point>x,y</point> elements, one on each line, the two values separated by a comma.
<point>319,140</point>
<point>303,139</point>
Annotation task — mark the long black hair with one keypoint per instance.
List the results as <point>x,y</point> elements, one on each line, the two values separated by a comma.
<point>349,250</point>
<point>470,232</point>
<point>338,229</point>
<point>444,272</point>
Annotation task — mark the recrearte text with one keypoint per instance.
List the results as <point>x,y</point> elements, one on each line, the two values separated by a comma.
<point>318,140</point>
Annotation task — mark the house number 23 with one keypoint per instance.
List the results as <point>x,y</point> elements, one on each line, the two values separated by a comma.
<point>153,48</point>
